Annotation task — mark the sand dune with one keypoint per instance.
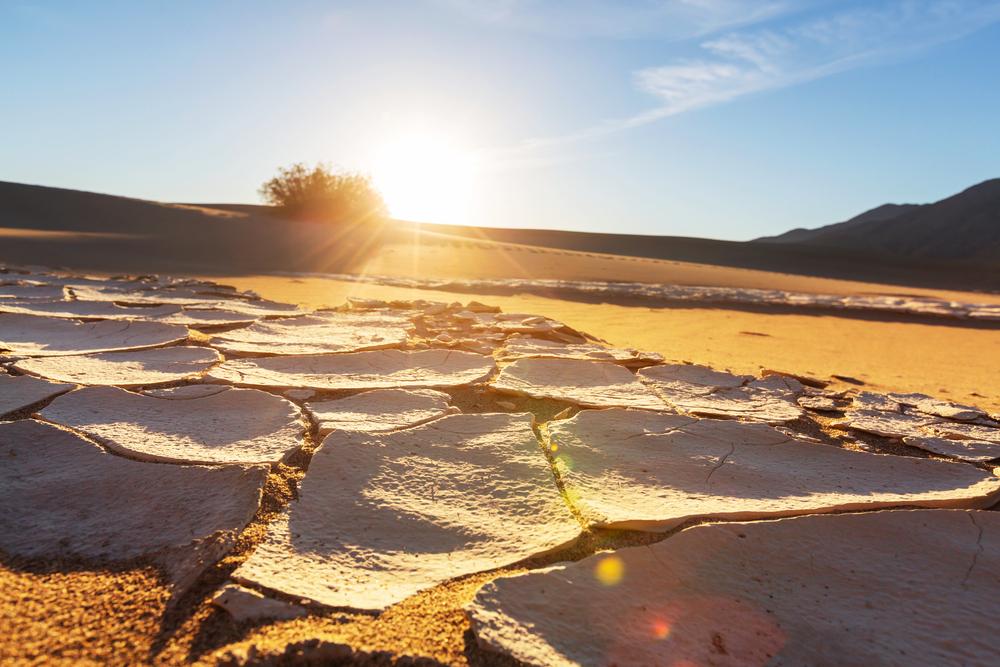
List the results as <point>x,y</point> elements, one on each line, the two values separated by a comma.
<point>97,232</point>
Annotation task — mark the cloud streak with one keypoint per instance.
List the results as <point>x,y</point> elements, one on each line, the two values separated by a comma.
<point>742,63</point>
<point>735,64</point>
<point>671,19</point>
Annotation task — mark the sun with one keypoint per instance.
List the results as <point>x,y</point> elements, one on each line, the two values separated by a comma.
<point>426,178</point>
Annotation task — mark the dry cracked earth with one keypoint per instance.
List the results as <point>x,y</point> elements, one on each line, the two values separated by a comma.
<point>191,474</point>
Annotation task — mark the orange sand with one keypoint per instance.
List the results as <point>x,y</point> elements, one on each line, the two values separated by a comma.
<point>943,360</point>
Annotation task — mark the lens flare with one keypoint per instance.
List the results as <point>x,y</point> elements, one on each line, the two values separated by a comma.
<point>610,570</point>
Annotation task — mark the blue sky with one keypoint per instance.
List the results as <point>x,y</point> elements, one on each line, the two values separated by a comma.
<point>717,118</point>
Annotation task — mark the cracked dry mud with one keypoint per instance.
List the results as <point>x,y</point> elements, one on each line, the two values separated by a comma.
<point>382,516</point>
<point>597,384</point>
<point>524,347</point>
<point>21,391</point>
<point>358,370</point>
<point>317,334</point>
<point>139,368</point>
<point>65,497</point>
<point>29,336</point>
<point>176,519</point>
<point>764,593</point>
<point>949,429</point>
<point>702,391</point>
<point>649,471</point>
<point>380,410</point>
<point>232,426</point>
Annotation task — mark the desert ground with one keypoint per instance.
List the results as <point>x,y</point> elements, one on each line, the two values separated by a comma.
<point>449,450</point>
<point>887,354</point>
<point>241,244</point>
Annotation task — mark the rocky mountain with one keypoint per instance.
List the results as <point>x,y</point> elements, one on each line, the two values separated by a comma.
<point>877,214</point>
<point>963,227</point>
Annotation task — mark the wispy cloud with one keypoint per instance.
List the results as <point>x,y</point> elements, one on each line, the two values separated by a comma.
<point>737,63</point>
<point>741,63</point>
<point>672,19</point>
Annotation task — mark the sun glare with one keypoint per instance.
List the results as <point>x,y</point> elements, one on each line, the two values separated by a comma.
<point>426,179</point>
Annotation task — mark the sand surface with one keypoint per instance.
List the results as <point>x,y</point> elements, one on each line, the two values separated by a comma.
<point>946,360</point>
<point>450,257</point>
<point>73,612</point>
<point>99,232</point>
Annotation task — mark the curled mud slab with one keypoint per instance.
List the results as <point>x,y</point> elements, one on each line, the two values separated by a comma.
<point>974,451</point>
<point>317,334</point>
<point>703,391</point>
<point>27,291</point>
<point>376,369</point>
<point>648,471</point>
<point>65,497</point>
<point>234,426</point>
<point>383,516</point>
<point>244,604</point>
<point>209,318</point>
<point>94,310</point>
<point>108,310</point>
<point>525,347</point>
<point>594,384</point>
<point>29,336</point>
<point>380,410</point>
<point>948,429</point>
<point>21,391</point>
<point>897,588</point>
<point>139,368</point>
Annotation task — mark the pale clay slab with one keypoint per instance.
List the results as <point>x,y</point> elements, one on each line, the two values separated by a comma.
<point>523,347</point>
<point>208,318</point>
<point>18,292</point>
<point>869,400</point>
<point>30,336</point>
<point>648,471</point>
<point>513,322</point>
<point>885,424</point>
<point>142,294</point>
<point>939,408</point>
<point>974,451</point>
<point>703,391</point>
<point>235,426</point>
<point>942,427</point>
<point>596,384</point>
<point>694,378</point>
<point>895,588</point>
<point>819,403</point>
<point>380,410</point>
<point>125,369</point>
<point>187,392</point>
<point>108,310</point>
<point>97,310</point>
<point>374,369</point>
<point>20,391</point>
<point>317,334</point>
<point>244,604</point>
<point>382,516</point>
<point>190,299</point>
<point>963,431</point>
<point>63,496</point>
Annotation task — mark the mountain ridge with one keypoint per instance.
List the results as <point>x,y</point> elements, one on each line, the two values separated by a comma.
<point>962,227</point>
<point>877,214</point>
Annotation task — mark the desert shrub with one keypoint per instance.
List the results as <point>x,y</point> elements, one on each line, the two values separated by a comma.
<point>323,194</point>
